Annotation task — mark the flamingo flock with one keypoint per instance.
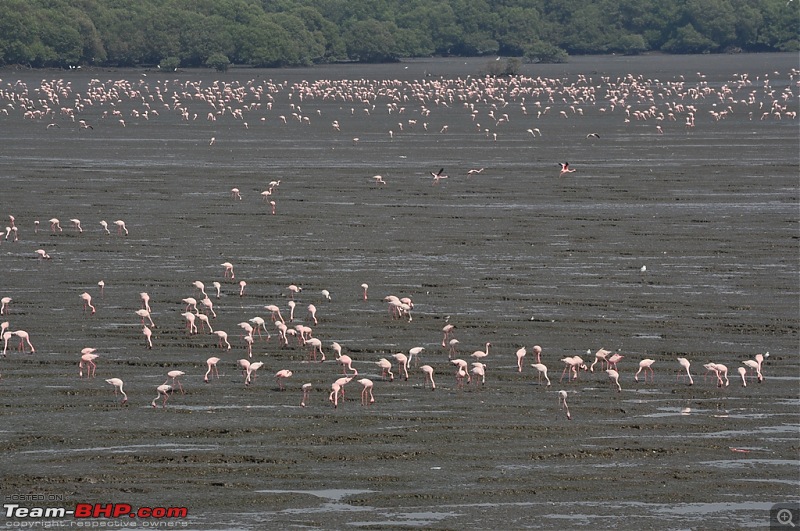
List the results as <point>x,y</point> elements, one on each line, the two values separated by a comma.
<point>493,105</point>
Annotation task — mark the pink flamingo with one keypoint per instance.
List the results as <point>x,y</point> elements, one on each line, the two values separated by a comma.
<point>222,341</point>
<point>24,337</point>
<point>479,371</point>
<point>121,227</point>
<point>190,318</point>
<point>163,390</point>
<point>755,365</point>
<point>645,365</point>
<point>721,370</point>
<point>228,270</point>
<point>212,368</point>
<point>306,392</point>
<point>461,371</point>
<point>565,168</point>
<point>206,302</point>
<point>402,363</point>
<point>55,224</point>
<point>601,356</point>
<point>685,364</point>
<point>293,289</point>
<point>452,348</point>
<point>175,375</point>
<point>386,368</point>
<point>347,363</point>
<point>218,287</point>
<point>480,354</point>
<point>242,285</point>
<point>77,224</point>
<point>145,314</point>
<point>414,353</point>
<point>571,365</point>
<point>428,370</point>
<point>366,393</point>
<point>365,287</point>
<point>102,285</point>
<point>743,374</point>
<point>43,254</point>
<point>542,371</point>
<point>146,301</point>
<point>87,359</point>
<point>316,345</point>
<point>4,302</point>
<point>520,356</point>
<point>276,312</point>
<point>538,351</point>
<point>104,224</point>
<point>202,287</point>
<point>291,305</point>
<point>148,335</point>
<point>562,400</point>
<point>447,330</point>
<point>191,304</point>
<point>614,375</point>
<point>312,311</point>
<point>280,376</point>
<point>6,336</point>
<point>613,360</point>
<point>117,383</point>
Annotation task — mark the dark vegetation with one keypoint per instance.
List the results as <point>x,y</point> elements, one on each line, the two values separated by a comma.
<point>271,33</point>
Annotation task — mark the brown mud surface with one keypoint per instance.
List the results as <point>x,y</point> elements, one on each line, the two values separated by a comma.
<point>515,255</point>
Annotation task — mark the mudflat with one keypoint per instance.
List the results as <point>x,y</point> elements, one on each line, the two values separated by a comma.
<point>675,236</point>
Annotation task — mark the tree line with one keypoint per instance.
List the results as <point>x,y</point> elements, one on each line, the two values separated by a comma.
<point>274,33</point>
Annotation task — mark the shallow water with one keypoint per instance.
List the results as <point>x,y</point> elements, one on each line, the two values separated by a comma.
<point>516,256</point>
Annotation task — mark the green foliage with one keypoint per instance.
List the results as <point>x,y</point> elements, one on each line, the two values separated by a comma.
<point>169,64</point>
<point>218,62</point>
<point>46,33</point>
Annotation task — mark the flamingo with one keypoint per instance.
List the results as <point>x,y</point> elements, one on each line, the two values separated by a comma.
<point>347,363</point>
<point>175,375</point>
<point>327,294</point>
<point>145,314</point>
<point>87,359</point>
<point>438,176</point>
<point>645,365</point>
<point>312,311</point>
<point>414,353</point>
<point>428,370</point>
<point>565,168</point>
<point>190,318</point>
<point>148,334</point>
<point>685,364</point>
<point>228,270</point>
<point>4,302</point>
<point>447,330</point>
<point>280,376</point>
<point>601,356</point>
<point>293,289</point>
<point>542,372</point>
<point>202,287</point>
<point>743,374</point>
<point>402,363</point>
<point>212,368</point>
<point>77,224</point>
<point>121,227</point>
<point>24,337</point>
<point>217,286</point>
<point>614,375</point>
<point>104,224</point>
<point>562,400</point>
<point>365,287</point>
<point>520,356</point>
<point>613,360</point>
<point>223,339</point>
<point>163,390</point>
<point>306,392</point>
<point>755,365</point>
<point>117,383</point>
<point>55,224</point>
<point>366,393</point>
<point>386,368</point>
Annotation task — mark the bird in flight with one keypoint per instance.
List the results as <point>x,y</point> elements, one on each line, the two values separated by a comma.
<point>592,135</point>
<point>474,171</point>
<point>437,176</point>
<point>565,168</point>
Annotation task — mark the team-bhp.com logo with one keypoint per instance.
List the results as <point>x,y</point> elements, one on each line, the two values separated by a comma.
<point>94,510</point>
